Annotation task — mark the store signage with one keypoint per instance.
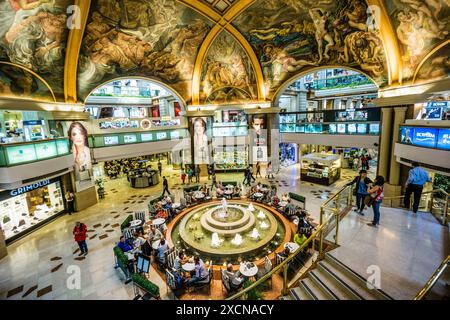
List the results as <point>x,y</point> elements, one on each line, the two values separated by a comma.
<point>444,139</point>
<point>30,187</point>
<point>33,122</point>
<point>425,137</point>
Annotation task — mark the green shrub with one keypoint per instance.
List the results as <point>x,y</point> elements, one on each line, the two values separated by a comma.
<point>121,257</point>
<point>126,222</point>
<point>146,284</point>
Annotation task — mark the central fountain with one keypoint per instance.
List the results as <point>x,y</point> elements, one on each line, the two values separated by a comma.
<point>231,230</point>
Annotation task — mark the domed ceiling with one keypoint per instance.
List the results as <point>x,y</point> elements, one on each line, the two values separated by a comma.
<point>215,51</point>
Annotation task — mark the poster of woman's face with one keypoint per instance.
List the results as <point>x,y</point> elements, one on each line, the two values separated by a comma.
<point>80,149</point>
<point>201,148</point>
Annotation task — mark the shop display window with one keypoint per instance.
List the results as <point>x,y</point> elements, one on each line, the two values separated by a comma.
<point>111,140</point>
<point>19,213</point>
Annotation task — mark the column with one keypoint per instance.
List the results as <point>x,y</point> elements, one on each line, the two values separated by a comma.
<point>3,251</point>
<point>394,171</point>
<point>385,142</point>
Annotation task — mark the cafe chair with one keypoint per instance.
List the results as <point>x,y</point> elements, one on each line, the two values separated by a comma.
<point>128,234</point>
<point>266,268</point>
<point>140,215</point>
<point>206,283</point>
<point>171,255</point>
<point>225,281</point>
<point>183,204</point>
<point>171,283</point>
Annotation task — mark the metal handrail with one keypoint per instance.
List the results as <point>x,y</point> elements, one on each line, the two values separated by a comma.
<point>423,193</point>
<point>285,263</point>
<point>433,279</point>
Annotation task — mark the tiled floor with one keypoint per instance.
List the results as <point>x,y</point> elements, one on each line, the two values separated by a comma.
<point>29,260</point>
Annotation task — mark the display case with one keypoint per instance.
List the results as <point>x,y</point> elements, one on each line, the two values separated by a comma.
<point>230,158</point>
<point>319,168</point>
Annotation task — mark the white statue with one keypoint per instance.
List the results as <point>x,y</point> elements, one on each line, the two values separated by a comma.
<point>250,207</point>
<point>264,226</point>
<point>261,215</point>
<point>224,204</point>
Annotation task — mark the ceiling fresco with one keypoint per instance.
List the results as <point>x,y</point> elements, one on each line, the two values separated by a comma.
<point>263,47</point>
<point>420,25</point>
<point>288,38</point>
<point>33,34</point>
<point>18,82</point>
<point>157,39</point>
<point>437,66</point>
<point>227,75</point>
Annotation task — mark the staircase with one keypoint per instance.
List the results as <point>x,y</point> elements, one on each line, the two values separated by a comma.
<point>333,280</point>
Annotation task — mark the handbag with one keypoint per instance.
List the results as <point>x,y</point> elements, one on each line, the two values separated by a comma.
<point>368,200</point>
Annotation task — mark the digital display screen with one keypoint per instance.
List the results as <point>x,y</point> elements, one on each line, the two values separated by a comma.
<point>146,137</point>
<point>361,128</point>
<point>111,140</point>
<point>425,137</point>
<point>341,128</point>
<point>333,128</point>
<point>20,154</point>
<point>352,128</point>
<point>143,264</point>
<point>444,139</point>
<point>130,138</point>
<point>374,128</point>
<point>161,135</point>
<point>174,135</point>
<point>46,150</point>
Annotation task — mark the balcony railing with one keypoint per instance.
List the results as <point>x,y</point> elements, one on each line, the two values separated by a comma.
<point>349,128</point>
<point>14,154</point>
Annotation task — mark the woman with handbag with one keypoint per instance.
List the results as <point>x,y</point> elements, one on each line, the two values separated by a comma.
<point>376,193</point>
<point>360,190</point>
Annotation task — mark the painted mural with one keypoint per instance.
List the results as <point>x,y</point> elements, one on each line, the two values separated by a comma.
<point>289,38</point>
<point>33,34</point>
<point>437,66</point>
<point>227,75</point>
<point>420,25</point>
<point>157,39</point>
<point>18,82</point>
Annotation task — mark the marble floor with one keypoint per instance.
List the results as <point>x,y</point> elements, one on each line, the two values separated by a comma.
<point>41,265</point>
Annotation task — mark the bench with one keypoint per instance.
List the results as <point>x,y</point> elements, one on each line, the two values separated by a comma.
<point>121,262</point>
<point>299,198</point>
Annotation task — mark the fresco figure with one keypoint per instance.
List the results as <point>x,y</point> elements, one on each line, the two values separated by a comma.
<point>320,19</point>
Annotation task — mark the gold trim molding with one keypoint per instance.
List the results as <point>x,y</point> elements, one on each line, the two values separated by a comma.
<point>435,49</point>
<point>73,52</point>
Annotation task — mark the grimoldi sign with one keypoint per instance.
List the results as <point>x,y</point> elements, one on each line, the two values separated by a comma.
<point>30,187</point>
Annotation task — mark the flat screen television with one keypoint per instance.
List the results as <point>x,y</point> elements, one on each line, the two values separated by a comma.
<point>111,140</point>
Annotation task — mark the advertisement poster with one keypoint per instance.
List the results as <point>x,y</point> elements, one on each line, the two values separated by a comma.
<point>78,137</point>
<point>406,135</point>
<point>258,138</point>
<point>444,139</point>
<point>202,153</point>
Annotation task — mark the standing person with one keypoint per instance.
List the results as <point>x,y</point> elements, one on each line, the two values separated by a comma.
<point>416,179</point>
<point>165,186</point>
<point>368,158</point>
<point>250,175</point>
<point>80,233</point>
<point>209,171</point>
<point>197,173</point>
<point>363,162</point>
<point>360,190</point>
<point>214,178</point>
<point>269,170</point>
<point>377,193</point>
<point>70,198</point>
<point>258,170</point>
<point>183,176</point>
<point>160,167</point>
<point>190,174</point>
<point>245,177</point>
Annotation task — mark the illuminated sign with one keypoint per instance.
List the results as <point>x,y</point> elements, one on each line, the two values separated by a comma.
<point>424,137</point>
<point>444,139</point>
<point>30,187</point>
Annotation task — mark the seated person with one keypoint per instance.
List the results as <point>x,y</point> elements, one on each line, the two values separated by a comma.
<point>139,239</point>
<point>236,278</point>
<point>146,247</point>
<point>289,209</point>
<point>258,187</point>
<point>300,238</point>
<point>124,245</point>
<point>200,272</point>
<point>273,191</point>
<point>275,201</point>
<point>237,191</point>
<point>285,253</point>
<point>285,197</point>
<point>219,191</point>
<point>161,251</point>
<point>179,261</point>
<point>154,234</point>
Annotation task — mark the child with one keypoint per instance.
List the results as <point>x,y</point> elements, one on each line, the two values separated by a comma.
<point>183,176</point>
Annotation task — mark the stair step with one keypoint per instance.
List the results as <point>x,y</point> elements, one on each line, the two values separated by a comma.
<point>317,290</point>
<point>354,282</point>
<point>299,293</point>
<point>334,285</point>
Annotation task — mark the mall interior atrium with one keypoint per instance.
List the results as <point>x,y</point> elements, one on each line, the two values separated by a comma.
<point>224,150</point>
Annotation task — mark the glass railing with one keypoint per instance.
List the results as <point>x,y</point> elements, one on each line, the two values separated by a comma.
<point>366,128</point>
<point>427,137</point>
<point>26,152</point>
<point>436,276</point>
<point>330,216</point>
<point>124,138</point>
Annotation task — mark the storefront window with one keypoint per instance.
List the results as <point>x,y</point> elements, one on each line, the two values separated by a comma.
<point>21,211</point>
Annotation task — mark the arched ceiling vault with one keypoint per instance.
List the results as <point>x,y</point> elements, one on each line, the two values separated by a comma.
<point>171,40</point>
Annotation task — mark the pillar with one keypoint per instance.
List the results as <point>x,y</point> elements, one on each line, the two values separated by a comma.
<point>385,142</point>
<point>3,251</point>
<point>399,119</point>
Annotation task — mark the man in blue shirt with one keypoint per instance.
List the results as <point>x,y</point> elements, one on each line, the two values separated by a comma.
<point>417,178</point>
<point>124,244</point>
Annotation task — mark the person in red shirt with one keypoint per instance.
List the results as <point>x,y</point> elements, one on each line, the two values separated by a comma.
<point>79,232</point>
